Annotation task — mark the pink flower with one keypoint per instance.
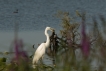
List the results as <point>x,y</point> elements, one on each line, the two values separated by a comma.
<point>85,45</point>
<point>19,52</point>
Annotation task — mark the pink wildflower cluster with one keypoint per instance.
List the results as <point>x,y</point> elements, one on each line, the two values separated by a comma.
<point>85,44</point>
<point>19,52</point>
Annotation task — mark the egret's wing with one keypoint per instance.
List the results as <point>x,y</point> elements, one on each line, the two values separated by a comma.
<point>39,52</point>
<point>40,47</point>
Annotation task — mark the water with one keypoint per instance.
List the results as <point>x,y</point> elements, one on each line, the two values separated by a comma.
<point>29,38</point>
<point>34,15</point>
<point>37,14</point>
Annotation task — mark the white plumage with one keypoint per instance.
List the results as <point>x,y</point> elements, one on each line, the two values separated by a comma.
<point>40,51</point>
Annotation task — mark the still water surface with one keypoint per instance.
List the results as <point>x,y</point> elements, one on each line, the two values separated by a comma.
<point>37,14</point>
<point>33,16</point>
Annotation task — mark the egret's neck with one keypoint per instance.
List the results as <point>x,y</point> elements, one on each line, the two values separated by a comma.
<point>48,39</point>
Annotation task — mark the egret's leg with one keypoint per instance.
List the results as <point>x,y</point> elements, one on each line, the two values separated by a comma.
<point>41,60</point>
<point>34,63</point>
<point>34,66</point>
<point>42,57</point>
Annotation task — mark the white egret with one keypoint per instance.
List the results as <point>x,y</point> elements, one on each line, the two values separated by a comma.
<point>40,51</point>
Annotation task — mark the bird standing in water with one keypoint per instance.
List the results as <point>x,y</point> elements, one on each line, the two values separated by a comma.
<point>40,51</point>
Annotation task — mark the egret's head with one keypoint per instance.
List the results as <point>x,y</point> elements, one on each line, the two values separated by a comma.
<point>49,28</point>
